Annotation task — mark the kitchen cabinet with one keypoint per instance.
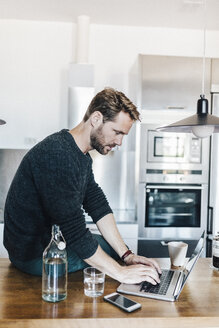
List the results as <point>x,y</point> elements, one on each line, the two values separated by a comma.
<point>34,60</point>
<point>172,82</point>
<point>30,103</point>
<point>215,72</point>
<point>128,231</point>
<point>23,129</point>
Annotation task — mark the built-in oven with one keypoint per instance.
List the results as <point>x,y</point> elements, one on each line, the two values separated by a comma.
<point>171,211</point>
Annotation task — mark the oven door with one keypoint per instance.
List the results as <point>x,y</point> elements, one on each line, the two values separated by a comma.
<point>172,211</point>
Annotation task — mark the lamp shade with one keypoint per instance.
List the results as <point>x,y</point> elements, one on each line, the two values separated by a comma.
<point>201,119</point>
<point>2,122</point>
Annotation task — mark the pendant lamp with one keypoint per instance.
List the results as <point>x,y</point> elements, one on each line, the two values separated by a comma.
<point>202,124</point>
<point>2,122</point>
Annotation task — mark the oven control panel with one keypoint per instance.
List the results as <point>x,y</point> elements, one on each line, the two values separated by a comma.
<point>173,176</point>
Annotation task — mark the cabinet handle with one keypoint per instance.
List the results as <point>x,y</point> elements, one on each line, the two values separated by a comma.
<point>173,187</point>
<point>176,107</point>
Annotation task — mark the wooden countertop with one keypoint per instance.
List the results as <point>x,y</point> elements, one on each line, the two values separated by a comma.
<point>21,304</point>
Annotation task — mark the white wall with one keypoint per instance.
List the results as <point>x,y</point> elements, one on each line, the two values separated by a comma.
<point>34,61</point>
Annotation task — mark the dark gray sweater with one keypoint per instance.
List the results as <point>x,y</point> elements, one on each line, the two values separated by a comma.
<point>52,183</point>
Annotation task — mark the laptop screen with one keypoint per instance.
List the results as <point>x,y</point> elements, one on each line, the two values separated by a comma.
<point>195,255</point>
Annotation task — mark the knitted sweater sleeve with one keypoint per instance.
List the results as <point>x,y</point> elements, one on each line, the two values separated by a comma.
<point>95,202</point>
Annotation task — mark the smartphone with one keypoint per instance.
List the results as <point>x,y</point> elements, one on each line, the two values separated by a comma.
<point>122,302</point>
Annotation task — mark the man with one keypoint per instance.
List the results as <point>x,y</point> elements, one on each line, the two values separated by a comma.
<point>52,184</point>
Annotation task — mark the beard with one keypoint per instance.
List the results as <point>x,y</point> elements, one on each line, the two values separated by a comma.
<point>97,142</point>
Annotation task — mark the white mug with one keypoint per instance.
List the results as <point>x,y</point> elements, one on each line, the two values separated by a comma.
<point>177,252</point>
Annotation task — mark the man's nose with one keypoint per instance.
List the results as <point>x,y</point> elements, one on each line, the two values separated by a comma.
<point>119,140</point>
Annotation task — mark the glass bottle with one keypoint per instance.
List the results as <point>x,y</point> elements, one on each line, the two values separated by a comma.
<point>54,273</point>
<point>215,251</point>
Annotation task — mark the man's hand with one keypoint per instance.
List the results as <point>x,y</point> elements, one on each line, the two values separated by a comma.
<point>134,274</point>
<point>129,274</point>
<point>137,259</point>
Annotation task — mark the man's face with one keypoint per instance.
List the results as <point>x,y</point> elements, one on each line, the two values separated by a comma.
<point>110,134</point>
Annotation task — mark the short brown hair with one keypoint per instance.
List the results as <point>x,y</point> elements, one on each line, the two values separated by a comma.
<point>110,103</point>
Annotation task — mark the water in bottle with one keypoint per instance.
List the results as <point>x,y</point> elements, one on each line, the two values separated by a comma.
<point>54,275</point>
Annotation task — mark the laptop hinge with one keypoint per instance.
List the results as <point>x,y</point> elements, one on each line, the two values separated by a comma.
<point>178,285</point>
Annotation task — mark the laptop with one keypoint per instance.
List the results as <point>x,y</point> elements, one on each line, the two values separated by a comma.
<point>171,281</point>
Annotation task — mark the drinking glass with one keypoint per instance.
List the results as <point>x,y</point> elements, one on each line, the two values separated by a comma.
<point>93,282</point>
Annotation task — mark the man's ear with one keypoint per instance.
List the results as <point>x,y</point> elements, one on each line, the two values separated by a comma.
<point>96,119</point>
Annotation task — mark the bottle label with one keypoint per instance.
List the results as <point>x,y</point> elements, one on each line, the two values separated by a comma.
<point>216,252</point>
<point>61,245</point>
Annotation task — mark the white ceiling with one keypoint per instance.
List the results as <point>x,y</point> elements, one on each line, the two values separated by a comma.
<point>155,13</point>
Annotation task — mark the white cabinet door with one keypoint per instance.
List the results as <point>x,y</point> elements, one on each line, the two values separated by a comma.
<point>34,61</point>
<point>26,124</point>
<point>129,233</point>
<point>172,82</point>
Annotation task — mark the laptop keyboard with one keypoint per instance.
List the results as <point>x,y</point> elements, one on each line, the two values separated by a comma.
<point>162,287</point>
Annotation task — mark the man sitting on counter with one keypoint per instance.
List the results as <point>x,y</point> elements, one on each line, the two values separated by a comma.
<point>54,184</point>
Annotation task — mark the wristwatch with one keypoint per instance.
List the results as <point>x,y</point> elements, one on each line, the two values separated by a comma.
<point>127,253</point>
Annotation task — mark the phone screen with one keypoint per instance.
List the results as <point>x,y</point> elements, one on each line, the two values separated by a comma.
<point>121,300</point>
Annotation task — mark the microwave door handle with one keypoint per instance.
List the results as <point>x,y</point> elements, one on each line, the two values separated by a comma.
<point>173,187</point>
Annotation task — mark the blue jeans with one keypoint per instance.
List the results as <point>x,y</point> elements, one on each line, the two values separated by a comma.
<point>74,262</point>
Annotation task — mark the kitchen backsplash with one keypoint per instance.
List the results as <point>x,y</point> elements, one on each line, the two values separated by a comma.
<point>9,162</point>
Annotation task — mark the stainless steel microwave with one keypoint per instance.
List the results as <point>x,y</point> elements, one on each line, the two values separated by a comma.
<point>173,147</point>
<point>166,157</point>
